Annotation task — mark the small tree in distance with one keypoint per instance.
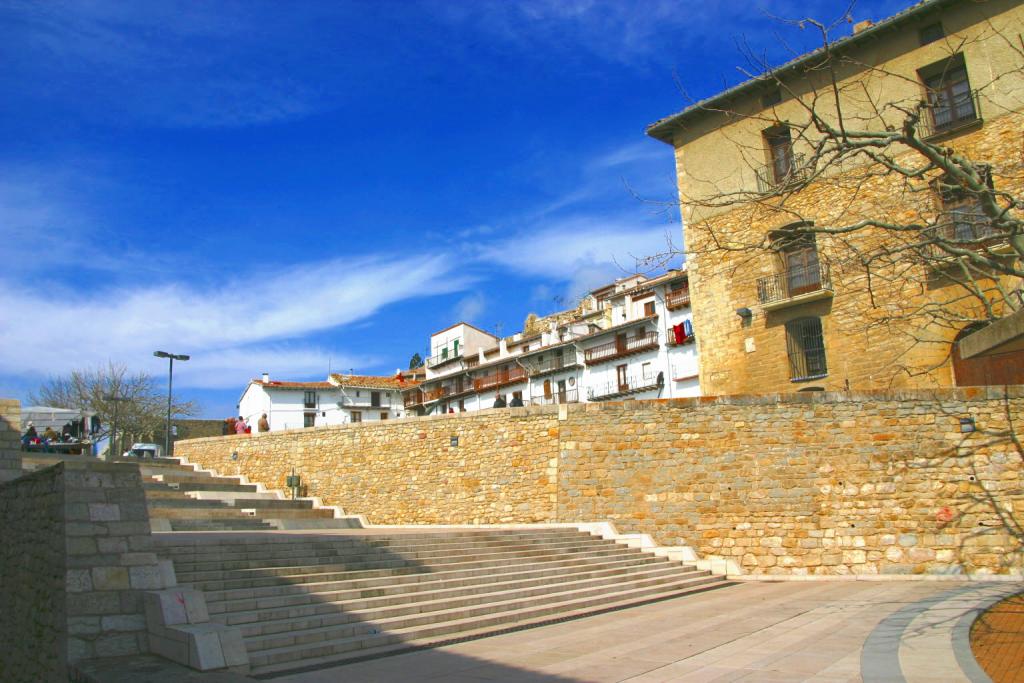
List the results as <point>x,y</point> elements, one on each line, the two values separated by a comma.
<point>416,361</point>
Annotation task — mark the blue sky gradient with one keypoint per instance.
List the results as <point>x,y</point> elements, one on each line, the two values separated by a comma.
<point>285,187</point>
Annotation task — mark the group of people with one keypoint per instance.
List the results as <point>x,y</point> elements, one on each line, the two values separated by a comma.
<point>516,402</point>
<point>33,440</point>
<point>238,425</point>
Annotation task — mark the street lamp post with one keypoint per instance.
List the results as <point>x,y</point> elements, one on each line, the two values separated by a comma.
<point>171,357</point>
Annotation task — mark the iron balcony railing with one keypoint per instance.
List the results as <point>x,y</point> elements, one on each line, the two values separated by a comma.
<point>947,112</point>
<point>793,170</point>
<point>446,355</point>
<point>556,398</point>
<point>568,359</point>
<point>621,347</point>
<point>622,386</point>
<point>677,299</point>
<point>499,378</point>
<point>962,230</point>
<point>794,282</point>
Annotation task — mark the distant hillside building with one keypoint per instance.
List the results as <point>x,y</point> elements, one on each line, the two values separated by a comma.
<point>340,399</point>
<point>631,339</point>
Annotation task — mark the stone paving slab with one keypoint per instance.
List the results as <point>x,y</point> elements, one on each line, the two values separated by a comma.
<point>789,631</point>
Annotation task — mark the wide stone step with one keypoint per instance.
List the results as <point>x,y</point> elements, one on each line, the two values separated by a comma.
<point>345,622</point>
<point>256,543</point>
<point>182,501</point>
<point>391,582</point>
<point>194,478</point>
<point>468,561</point>
<point>384,641</point>
<point>239,524</point>
<point>263,543</point>
<point>290,513</point>
<point>312,556</point>
<point>321,609</point>
<point>271,503</point>
<point>208,485</point>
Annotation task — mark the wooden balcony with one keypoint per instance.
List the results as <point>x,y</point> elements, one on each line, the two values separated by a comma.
<point>413,398</point>
<point>624,346</point>
<point>434,394</point>
<point>794,286</point>
<point>499,379</point>
<point>677,299</point>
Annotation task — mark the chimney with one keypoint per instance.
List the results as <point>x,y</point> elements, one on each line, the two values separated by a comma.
<point>861,25</point>
<point>266,377</point>
<point>502,348</point>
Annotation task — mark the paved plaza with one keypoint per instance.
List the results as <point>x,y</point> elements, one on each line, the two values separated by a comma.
<point>787,631</point>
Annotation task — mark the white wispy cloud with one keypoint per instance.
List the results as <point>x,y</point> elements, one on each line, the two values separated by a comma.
<point>470,308</point>
<point>227,327</point>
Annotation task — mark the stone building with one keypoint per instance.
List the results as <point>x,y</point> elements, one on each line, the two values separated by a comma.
<point>818,257</point>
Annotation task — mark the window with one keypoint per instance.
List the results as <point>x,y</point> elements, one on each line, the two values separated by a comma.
<point>462,405</point>
<point>620,375</point>
<point>962,219</point>
<point>646,370</point>
<point>356,416</point>
<point>384,416</point>
<point>309,399</point>
<point>800,262</point>
<point>309,419</point>
<point>950,101</point>
<point>806,346</point>
<point>780,154</point>
<point>931,33</point>
<point>375,399</point>
<point>648,309</point>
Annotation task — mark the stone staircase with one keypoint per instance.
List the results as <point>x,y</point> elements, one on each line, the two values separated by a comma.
<point>181,498</point>
<point>305,600</point>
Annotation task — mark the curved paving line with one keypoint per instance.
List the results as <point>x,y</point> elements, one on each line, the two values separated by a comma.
<point>880,658</point>
<point>962,636</point>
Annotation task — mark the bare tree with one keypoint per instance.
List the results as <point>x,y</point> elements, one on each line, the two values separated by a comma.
<point>142,413</point>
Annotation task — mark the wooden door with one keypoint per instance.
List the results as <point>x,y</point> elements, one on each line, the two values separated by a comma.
<point>997,369</point>
<point>620,371</point>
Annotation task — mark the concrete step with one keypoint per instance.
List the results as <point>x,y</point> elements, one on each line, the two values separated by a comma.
<point>237,524</point>
<point>393,581</point>
<point>344,546</point>
<point>387,560</point>
<point>182,477</point>
<point>382,640</point>
<point>302,556</point>
<point>372,604</point>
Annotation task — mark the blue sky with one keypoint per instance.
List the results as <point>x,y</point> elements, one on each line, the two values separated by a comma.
<point>285,187</point>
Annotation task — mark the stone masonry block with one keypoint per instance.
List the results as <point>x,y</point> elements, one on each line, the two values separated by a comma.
<point>110,578</point>
<point>147,577</point>
<point>79,580</point>
<point>104,512</point>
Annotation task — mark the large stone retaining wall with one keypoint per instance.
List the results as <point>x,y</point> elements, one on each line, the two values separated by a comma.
<point>75,559</point>
<point>826,483</point>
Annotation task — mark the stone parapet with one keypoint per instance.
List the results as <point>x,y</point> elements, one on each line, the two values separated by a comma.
<point>10,439</point>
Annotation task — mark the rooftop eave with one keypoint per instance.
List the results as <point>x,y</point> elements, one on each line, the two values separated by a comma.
<point>664,129</point>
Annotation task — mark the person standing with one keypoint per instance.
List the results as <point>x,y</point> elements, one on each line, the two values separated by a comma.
<point>264,424</point>
<point>240,425</point>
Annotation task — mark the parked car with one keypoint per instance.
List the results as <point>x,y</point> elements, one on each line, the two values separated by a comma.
<point>145,450</point>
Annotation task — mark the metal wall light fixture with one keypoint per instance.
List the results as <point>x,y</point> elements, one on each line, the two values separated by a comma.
<point>744,312</point>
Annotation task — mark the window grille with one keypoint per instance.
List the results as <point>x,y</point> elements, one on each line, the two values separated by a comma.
<point>806,345</point>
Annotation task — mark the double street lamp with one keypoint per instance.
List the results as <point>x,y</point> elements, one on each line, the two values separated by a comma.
<point>171,357</point>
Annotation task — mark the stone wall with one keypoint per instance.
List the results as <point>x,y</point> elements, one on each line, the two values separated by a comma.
<point>501,469</point>
<point>75,561</point>
<point>825,483</point>
<point>10,439</point>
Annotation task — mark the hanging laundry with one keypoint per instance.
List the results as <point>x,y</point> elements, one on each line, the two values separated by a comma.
<point>687,329</point>
<point>680,335</point>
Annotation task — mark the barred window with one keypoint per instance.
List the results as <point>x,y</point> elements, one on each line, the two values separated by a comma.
<point>806,346</point>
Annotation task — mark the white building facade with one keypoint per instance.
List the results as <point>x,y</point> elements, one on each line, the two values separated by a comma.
<point>341,399</point>
<point>631,339</point>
